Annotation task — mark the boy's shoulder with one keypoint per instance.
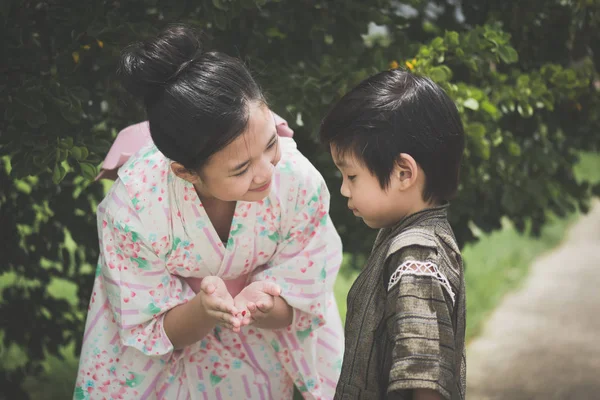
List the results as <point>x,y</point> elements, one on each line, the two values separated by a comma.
<point>427,242</point>
<point>432,234</point>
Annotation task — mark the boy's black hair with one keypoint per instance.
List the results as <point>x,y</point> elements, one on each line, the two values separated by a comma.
<point>397,112</point>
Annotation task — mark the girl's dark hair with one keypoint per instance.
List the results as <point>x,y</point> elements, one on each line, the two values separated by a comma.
<point>197,102</point>
<point>396,112</point>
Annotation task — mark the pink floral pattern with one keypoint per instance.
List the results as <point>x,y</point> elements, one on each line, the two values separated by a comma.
<point>154,234</point>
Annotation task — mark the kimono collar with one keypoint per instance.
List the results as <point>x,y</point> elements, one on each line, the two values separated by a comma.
<point>437,212</point>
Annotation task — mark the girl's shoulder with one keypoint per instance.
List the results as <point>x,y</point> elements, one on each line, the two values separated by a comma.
<point>294,171</point>
<point>147,166</point>
<point>142,185</point>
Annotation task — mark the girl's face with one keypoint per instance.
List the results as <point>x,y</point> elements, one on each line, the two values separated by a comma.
<point>242,171</point>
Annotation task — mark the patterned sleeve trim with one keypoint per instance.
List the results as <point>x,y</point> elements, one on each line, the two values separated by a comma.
<point>419,268</point>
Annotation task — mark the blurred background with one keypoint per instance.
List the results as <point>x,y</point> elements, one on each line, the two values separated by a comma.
<point>524,76</point>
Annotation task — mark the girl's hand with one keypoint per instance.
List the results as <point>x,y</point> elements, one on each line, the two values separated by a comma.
<point>218,303</point>
<point>256,300</point>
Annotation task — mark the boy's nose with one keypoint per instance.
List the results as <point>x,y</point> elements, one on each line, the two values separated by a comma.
<point>345,191</point>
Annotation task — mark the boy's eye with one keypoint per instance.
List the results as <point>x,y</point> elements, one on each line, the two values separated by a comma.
<point>351,177</point>
<point>270,146</point>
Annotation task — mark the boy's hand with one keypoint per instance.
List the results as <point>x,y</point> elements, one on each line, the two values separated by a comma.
<point>256,300</point>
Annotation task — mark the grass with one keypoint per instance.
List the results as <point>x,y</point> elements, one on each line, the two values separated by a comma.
<point>496,264</point>
<point>499,262</point>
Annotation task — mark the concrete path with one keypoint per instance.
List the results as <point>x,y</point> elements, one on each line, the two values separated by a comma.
<point>543,342</point>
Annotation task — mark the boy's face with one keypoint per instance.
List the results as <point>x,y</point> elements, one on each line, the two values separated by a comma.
<point>377,207</point>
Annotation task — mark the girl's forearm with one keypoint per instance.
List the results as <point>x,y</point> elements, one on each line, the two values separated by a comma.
<point>188,323</point>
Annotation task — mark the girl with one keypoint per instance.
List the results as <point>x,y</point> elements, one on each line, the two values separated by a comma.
<point>217,253</point>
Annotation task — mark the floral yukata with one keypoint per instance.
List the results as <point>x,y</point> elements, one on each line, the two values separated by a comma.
<point>156,240</point>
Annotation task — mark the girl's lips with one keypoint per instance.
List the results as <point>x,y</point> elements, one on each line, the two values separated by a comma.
<point>262,188</point>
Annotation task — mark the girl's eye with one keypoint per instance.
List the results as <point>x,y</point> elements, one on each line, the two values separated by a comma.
<point>241,173</point>
<point>351,177</point>
<point>270,146</point>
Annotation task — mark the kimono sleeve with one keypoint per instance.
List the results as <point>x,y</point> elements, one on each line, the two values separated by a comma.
<point>139,287</point>
<point>421,329</point>
<point>305,266</point>
<point>307,260</point>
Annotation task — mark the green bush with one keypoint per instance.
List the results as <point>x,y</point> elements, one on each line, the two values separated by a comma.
<point>525,79</point>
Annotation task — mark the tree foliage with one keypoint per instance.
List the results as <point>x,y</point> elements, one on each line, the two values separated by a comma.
<point>524,77</point>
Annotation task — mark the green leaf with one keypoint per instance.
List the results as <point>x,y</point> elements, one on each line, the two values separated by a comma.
<point>80,153</point>
<point>440,74</point>
<point>525,110</point>
<point>508,54</point>
<point>58,174</point>
<point>76,152</point>
<point>476,130</point>
<point>472,64</point>
<point>274,32</point>
<point>523,80</point>
<point>492,37</point>
<point>66,143</point>
<point>452,38</point>
<point>471,104</point>
<point>437,43</point>
<point>61,154</point>
<point>489,108</point>
<point>88,170</point>
<point>514,149</point>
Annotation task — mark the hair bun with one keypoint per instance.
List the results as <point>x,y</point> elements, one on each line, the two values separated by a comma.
<point>148,66</point>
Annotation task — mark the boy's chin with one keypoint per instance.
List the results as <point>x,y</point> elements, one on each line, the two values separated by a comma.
<point>371,224</point>
<point>378,224</point>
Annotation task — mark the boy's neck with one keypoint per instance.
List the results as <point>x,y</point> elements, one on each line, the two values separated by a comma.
<point>418,207</point>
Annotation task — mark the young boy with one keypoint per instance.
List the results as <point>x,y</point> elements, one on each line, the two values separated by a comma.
<point>398,141</point>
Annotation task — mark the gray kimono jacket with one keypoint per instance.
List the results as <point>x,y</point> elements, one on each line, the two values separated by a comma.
<point>405,327</point>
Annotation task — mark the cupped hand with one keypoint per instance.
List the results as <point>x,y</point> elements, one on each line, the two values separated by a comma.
<point>255,301</point>
<point>218,303</point>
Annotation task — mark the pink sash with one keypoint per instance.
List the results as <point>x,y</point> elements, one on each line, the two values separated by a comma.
<point>234,286</point>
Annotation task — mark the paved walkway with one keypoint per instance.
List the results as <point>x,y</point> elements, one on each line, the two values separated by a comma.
<point>543,342</point>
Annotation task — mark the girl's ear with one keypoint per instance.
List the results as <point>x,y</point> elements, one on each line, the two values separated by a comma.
<point>182,172</point>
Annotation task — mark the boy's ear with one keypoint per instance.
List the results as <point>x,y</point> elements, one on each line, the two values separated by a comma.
<point>406,171</point>
<point>183,173</point>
